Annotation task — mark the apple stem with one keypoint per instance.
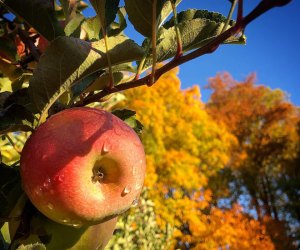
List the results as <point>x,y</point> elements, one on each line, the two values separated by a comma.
<point>98,176</point>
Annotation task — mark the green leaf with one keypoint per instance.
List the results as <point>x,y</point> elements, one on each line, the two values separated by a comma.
<point>10,191</point>
<point>116,28</point>
<point>92,27</point>
<point>129,117</point>
<point>140,14</point>
<point>3,97</point>
<point>85,83</point>
<point>39,14</point>
<point>73,26</point>
<point>197,28</point>
<point>106,11</point>
<point>21,97</point>
<point>15,118</point>
<point>68,60</point>
<point>103,81</point>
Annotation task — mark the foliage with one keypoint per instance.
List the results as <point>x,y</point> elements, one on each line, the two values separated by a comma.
<point>181,158</point>
<point>266,126</point>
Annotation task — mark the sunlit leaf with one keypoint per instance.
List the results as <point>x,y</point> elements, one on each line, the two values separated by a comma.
<point>140,14</point>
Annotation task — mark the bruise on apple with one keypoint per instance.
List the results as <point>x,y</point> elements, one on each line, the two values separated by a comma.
<point>83,166</point>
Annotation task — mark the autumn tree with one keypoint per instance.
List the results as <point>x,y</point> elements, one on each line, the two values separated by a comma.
<point>264,161</point>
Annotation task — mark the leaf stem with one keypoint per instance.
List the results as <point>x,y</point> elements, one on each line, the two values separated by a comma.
<point>229,15</point>
<point>142,62</point>
<point>178,34</point>
<point>111,77</point>
<point>153,40</point>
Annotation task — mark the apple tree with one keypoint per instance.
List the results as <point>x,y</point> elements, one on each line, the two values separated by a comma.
<point>53,59</point>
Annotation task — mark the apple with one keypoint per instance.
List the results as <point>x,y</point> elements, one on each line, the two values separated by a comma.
<point>56,236</point>
<point>83,166</point>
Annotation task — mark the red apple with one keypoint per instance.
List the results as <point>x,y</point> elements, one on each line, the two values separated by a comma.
<point>83,166</point>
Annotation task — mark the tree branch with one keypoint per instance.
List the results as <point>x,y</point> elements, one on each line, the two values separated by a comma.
<point>210,47</point>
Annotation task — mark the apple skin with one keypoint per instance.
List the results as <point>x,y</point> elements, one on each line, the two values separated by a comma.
<point>83,166</point>
<point>57,236</point>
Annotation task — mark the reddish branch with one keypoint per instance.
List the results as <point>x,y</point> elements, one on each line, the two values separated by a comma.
<point>210,47</point>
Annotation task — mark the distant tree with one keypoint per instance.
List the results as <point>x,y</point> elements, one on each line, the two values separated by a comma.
<point>263,164</point>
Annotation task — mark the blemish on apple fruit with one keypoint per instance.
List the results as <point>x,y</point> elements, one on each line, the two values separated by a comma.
<point>47,183</point>
<point>126,191</point>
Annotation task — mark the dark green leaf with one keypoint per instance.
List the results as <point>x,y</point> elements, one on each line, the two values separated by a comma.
<point>39,14</point>
<point>10,191</point>
<point>106,11</point>
<point>87,81</point>
<point>21,97</point>
<point>140,14</point>
<point>129,117</point>
<point>3,97</point>
<point>15,118</point>
<point>68,60</point>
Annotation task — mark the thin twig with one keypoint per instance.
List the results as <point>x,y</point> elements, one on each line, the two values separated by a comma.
<point>153,40</point>
<point>229,15</point>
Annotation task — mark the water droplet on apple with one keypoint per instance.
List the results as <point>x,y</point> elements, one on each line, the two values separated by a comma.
<point>59,178</point>
<point>106,147</point>
<point>76,224</point>
<point>135,202</point>
<point>38,191</point>
<point>47,183</point>
<point>66,220</point>
<point>126,191</point>
<point>50,206</point>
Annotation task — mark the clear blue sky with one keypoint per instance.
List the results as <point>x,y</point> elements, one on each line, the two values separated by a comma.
<point>272,50</point>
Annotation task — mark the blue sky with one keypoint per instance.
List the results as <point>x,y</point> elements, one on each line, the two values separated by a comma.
<point>272,50</point>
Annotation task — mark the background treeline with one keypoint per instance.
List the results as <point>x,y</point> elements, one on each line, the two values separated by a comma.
<point>221,175</point>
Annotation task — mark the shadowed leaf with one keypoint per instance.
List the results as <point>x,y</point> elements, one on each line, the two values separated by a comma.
<point>15,118</point>
<point>68,60</point>
<point>39,14</point>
